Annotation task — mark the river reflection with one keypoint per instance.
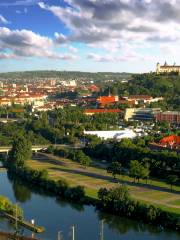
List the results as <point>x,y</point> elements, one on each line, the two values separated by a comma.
<point>56,214</point>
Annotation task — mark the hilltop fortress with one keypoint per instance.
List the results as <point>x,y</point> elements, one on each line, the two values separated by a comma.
<point>167,68</point>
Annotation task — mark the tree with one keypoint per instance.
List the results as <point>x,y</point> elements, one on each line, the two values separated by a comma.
<point>115,199</point>
<point>114,168</point>
<point>82,158</point>
<point>138,170</point>
<point>85,161</point>
<point>172,179</point>
<point>134,169</point>
<point>21,151</point>
<point>144,172</point>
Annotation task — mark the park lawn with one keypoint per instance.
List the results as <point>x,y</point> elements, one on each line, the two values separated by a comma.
<point>175,202</point>
<point>153,182</point>
<point>173,210</point>
<point>93,178</point>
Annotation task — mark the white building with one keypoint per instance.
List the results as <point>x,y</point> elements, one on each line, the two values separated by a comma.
<point>127,133</point>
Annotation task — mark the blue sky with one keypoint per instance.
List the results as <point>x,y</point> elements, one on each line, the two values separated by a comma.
<point>88,35</point>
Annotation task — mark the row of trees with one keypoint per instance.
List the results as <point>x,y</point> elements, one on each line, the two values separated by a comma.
<point>40,178</point>
<point>160,164</point>
<point>138,171</point>
<point>20,154</point>
<point>118,201</point>
<point>75,155</point>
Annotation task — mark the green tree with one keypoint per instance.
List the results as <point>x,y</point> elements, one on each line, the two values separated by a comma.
<point>138,170</point>
<point>21,151</point>
<point>144,172</point>
<point>114,168</point>
<point>172,179</point>
<point>82,158</point>
<point>134,170</point>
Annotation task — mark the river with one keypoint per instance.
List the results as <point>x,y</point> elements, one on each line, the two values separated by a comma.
<point>58,215</point>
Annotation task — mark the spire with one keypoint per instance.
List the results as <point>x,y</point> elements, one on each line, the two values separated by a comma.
<point>109,92</point>
<point>165,64</point>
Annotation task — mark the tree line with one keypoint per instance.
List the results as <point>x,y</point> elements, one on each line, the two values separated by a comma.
<point>128,154</point>
<point>118,201</point>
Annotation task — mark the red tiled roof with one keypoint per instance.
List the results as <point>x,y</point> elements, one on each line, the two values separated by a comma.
<point>171,140</point>
<point>107,99</point>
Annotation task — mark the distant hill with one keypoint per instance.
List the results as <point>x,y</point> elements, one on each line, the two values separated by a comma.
<point>63,74</point>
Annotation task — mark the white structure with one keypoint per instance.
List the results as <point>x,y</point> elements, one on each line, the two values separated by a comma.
<point>69,83</point>
<point>167,68</point>
<point>127,133</point>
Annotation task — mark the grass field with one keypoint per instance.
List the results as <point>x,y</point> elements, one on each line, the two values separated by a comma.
<point>94,177</point>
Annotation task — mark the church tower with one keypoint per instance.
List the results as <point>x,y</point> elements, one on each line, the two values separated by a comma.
<point>158,68</point>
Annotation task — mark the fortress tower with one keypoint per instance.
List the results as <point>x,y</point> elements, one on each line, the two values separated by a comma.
<point>167,68</point>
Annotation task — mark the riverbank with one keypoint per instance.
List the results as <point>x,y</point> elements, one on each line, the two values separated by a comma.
<point>8,236</point>
<point>94,177</point>
<point>132,209</point>
<point>23,223</point>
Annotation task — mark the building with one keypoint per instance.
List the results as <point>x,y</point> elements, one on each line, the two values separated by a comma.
<point>106,100</point>
<point>168,116</point>
<point>171,143</point>
<point>141,114</point>
<point>127,133</point>
<point>142,99</point>
<point>167,68</point>
<point>97,111</point>
<point>68,83</point>
<point>23,99</point>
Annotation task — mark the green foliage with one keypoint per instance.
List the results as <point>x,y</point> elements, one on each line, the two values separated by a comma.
<point>172,179</point>
<point>119,202</point>
<point>7,206</point>
<point>41,179</point>
<point>115,197</point>
<point>160,164</point>
<point>137,170</point>
<point>21,151</point>
<point>75,155</point>
<point>151,84</point>
<point>115,168</point>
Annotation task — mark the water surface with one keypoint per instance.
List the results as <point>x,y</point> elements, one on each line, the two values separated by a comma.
<point>58,215</point>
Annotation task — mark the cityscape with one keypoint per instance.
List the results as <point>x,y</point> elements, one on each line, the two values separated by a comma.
<point>89,120</point>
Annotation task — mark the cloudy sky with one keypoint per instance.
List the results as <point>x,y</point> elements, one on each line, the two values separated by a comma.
<point>89,35</point>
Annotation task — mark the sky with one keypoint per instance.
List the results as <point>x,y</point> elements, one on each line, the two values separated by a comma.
<point>89,35</point>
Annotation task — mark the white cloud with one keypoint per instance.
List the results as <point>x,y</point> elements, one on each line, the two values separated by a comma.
<point>72,49</point>
<point>24,43</point>
<point>109,24</point>
<point>60,38</point>
<point>3,20</point>
<point>99,58</point>
<point>125,57</point>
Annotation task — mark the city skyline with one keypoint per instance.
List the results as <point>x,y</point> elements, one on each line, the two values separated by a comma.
<point>88,35</point>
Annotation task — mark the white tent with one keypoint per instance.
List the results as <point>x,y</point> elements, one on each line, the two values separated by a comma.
<point>127,133</point>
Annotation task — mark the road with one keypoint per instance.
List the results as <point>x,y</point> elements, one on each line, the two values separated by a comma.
<point>36,148</point>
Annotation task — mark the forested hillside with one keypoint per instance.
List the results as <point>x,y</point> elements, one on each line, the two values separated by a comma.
<point>167,86</point>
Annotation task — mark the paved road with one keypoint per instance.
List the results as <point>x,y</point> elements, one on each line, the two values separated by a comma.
<point>6,149</point>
